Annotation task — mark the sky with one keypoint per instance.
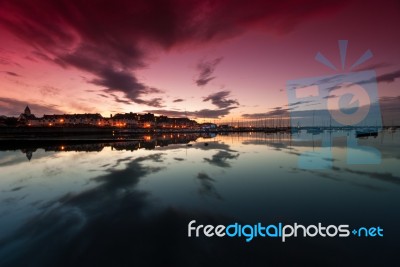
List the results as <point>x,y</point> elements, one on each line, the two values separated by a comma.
<point>208,60</point>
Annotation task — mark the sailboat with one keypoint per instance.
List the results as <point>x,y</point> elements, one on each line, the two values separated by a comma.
<point>366,132</point>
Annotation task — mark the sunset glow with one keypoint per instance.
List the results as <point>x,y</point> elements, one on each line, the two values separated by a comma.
<point>201,59</point>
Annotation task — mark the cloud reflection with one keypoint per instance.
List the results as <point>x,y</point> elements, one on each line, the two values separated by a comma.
<point>221,159</point>
<point>207,186</point>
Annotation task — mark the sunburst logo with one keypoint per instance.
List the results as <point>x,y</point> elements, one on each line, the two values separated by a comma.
<point>346,100</point>
<point>349,104</point>
<point>343,52</point>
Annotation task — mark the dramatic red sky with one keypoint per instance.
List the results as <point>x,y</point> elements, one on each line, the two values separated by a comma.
<point>207,59</point>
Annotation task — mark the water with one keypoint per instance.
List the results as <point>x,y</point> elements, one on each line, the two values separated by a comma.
<point>129,203</point>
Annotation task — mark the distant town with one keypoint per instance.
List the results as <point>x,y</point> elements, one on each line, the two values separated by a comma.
<point>148,122</point>
<point>125,120</point>
<point>27,121</point>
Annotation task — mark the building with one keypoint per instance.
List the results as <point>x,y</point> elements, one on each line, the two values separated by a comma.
<point>125,120</point>
<point>165,122</point>
<point>26,116</point>
<point>70,120</point>
<point>130,120</point>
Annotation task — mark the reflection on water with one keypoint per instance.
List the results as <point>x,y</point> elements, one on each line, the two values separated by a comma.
<point>129,202</point>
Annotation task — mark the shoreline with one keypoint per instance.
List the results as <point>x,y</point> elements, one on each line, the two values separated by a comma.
<point>109,130</point>
<point>114,134</point>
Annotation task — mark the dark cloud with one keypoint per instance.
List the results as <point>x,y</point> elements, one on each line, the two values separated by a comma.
<point>13,107</point>
<point>203,113</point>
<point>169,113</point>
<point>178,100</point>
<point>17,188</point>
<point>334,79</point>
<point>333,88</point>
<point>330,96</point>
<point>110,40</point>
<point>220,100</point>
<point>384,78</point>
<point>206,69</point>
<point>117,99</point>
<point>212,113</point>
<point>276,112</point>
<point>298,103</point>
<point>389,77</point>
<point>103,95</point>
<point>12,73</point>
<point>125,82</point>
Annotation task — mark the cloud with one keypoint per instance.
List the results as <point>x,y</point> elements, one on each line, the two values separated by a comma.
<point>112,78</point>
<point>203,113</point>
<point>388,77</point>
<point>384,78</point>
<point>103,95</point>
<point>206,70</point>
<point>299,103</point>
<point>334,87</point>
<point>212,113</point>
<point>111,41</point>
<point>117,99</point>
<point>277,111</point>
<point>13,107</point>
<point>154,102</point>
<point>330,96</point>
<point>178,100</point>
<point>169,113</point>
<point>220,100</point>
<point>11,73</point>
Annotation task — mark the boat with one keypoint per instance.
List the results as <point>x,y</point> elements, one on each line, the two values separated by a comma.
<point>366,132</point>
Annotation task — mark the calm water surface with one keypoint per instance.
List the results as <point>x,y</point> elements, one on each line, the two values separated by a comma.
<point>129,203</point>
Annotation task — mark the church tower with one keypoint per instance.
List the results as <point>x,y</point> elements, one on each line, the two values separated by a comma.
<point>27,111</point>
